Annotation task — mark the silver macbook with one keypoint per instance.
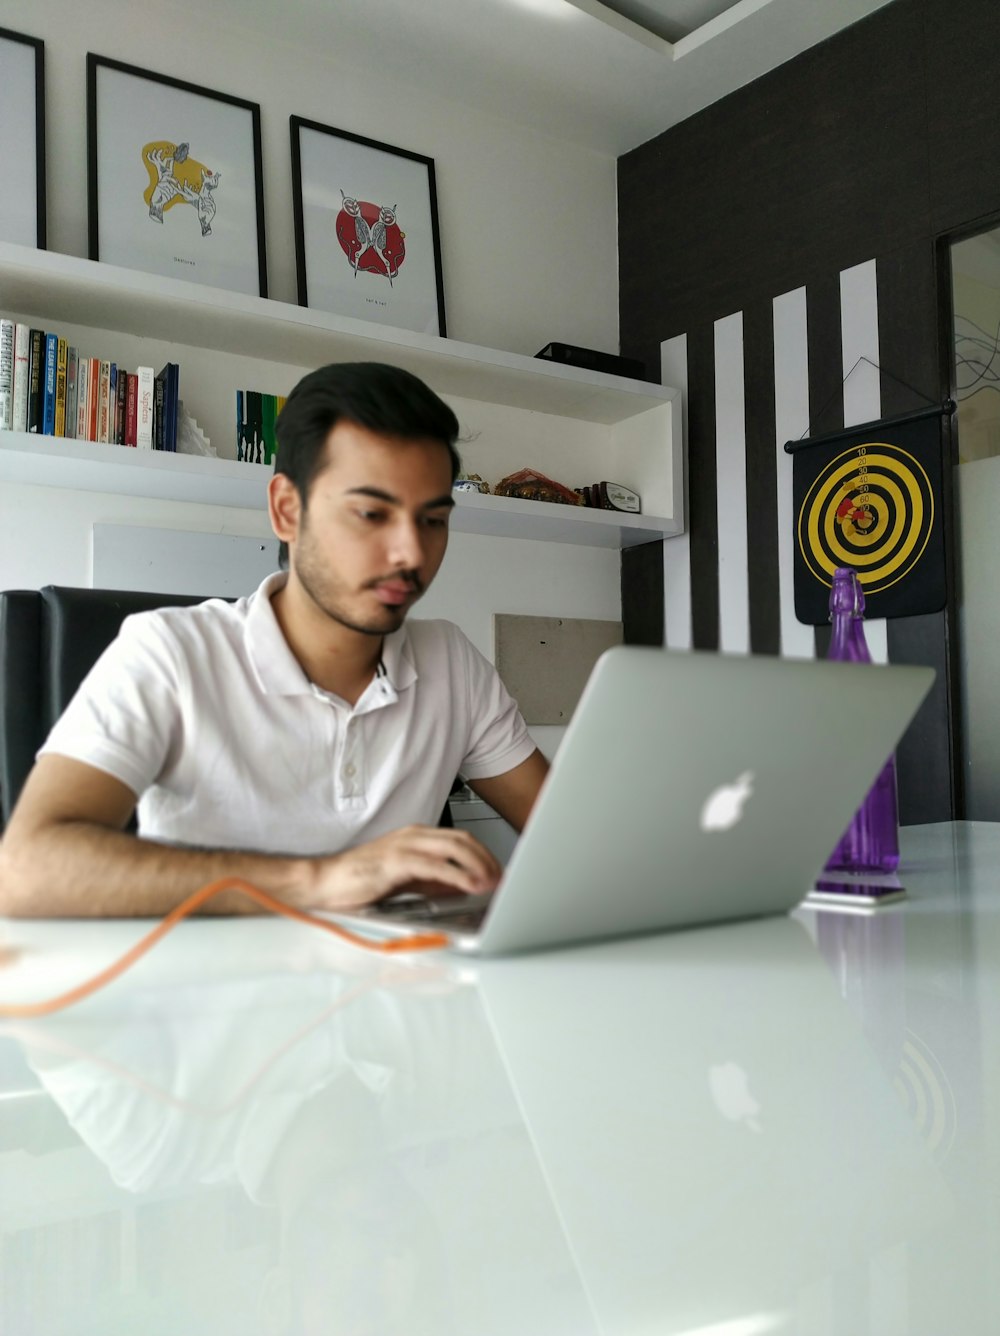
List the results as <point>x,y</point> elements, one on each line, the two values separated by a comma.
<point>689,788</point>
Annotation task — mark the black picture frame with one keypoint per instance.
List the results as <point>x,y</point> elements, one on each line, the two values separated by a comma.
<point>377,184</point>
<point>15,142</point>
<point>119,208</point>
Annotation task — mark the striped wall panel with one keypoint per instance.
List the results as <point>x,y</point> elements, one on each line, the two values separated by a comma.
<point>751,381</point>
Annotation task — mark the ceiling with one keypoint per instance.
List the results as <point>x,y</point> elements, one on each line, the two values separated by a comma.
<point>609,74</point>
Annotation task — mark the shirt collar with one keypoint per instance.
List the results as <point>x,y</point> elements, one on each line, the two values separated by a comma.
<point>277,669</point>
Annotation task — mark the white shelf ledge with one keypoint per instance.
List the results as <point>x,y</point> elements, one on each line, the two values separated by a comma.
<point>63,288</point>
<point>89,466</point>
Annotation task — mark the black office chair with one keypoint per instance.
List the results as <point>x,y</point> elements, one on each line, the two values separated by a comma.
<point>49,640</point>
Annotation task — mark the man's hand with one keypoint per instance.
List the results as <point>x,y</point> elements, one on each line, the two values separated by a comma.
<point>450,860</point>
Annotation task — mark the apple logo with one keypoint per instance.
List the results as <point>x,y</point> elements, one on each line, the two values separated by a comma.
<point>731,1094</point>
<point>724,807</point>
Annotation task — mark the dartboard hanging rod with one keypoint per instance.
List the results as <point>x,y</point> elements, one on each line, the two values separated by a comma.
<point>944,409</point>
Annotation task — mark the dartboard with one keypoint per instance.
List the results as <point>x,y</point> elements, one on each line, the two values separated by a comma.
<point>872,508</point>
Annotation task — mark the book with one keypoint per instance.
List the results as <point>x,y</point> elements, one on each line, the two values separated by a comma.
<point>159,394</point>
<point>93,397</point>
<point>36,378</point>
<point>240,421</point>
<point>22,348</point>
<point>268,413</point>
<point>131,405</point>
<point>6,375</point>
<point>82,398</point>
<point>103,401</point>
<point>121,392</point>
<point>112,403</point>
<point>72,389</point>
<point>255,424</point>
<point>62,353</point>
<point>170,376</point>
<point>49,385</point>
<point>144,408</point>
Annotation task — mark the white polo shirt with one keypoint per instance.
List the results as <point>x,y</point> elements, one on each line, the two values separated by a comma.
<point>206,714</point>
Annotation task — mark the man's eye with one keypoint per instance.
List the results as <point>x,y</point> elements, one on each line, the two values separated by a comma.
<point>436,521</point>
<point>373,516</point>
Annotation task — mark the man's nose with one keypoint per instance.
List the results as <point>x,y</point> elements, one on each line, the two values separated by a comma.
<point>407,552</point>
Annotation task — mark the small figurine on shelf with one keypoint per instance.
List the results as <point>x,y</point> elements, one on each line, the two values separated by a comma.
<point>871,841</point>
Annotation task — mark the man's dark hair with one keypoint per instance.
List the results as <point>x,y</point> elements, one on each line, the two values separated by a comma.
<point>371,394</point>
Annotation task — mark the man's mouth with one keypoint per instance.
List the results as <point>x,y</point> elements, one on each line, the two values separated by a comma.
<point>395,592</point>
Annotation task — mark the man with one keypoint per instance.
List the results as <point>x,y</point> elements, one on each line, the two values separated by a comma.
<point>303,739</point>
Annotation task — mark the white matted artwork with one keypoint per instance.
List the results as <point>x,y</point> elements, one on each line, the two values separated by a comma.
<point>178,561</point>
<point>366,229</point>
<point>174,178</point>
<point>22,115</point>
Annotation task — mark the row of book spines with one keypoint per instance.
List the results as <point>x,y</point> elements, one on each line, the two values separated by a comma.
<point>256,414</point>
<point>47,388</point>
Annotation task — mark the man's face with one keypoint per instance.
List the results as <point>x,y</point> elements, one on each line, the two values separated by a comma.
<point>375,528</point>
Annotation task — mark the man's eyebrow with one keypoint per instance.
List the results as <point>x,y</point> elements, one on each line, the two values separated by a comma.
<point>377,494</point>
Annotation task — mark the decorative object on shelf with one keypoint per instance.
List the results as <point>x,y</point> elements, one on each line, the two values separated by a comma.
<point>22,115</point>
<point>470,482</point>
<point>531,485</point>
<point>366,229</point>
<point>191,440</point>
<point>174,178</point>
<point>591,360</point>
<point>611,496</point>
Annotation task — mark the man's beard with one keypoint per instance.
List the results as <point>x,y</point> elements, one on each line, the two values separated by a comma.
<point>388,620</point>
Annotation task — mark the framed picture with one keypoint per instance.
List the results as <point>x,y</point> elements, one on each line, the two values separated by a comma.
<point>366,229</point>
<point>174,178</point>
<point>22,115</point>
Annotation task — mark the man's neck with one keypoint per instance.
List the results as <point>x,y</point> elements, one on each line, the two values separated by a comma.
<point>335,657</point>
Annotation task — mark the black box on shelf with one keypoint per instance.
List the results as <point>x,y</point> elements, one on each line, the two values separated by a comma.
<point>591,360</point>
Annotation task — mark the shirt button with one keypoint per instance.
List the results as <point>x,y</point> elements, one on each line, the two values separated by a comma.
<point>349,771</point>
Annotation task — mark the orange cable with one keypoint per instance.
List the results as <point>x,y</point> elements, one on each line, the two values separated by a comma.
<point>421,942</point>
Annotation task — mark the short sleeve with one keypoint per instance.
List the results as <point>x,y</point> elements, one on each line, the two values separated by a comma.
<point>125,717</point>
<point>498,736</point>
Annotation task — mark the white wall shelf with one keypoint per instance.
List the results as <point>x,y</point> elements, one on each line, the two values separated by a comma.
<point>625,431</point>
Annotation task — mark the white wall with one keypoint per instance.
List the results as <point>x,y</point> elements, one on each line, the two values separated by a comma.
<point>529,240</point>
<point>528,222</point>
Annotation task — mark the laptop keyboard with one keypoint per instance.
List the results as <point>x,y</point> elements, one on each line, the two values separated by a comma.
<point>463,911</point>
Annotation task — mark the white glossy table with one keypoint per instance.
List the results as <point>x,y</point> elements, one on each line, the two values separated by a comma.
<point>791,1125</point>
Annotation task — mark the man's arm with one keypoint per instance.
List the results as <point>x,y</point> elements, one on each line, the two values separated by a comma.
<point>65,853</point>
<point>513,794</point>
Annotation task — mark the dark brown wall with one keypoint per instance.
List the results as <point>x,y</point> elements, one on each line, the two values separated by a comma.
<point>872,145</point>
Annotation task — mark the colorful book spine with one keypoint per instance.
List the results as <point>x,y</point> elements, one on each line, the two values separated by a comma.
<point>159,399</point>
<point>62,355</point>
<point>6,375</point>
<point>112,403</point>
<point>121,398</point>
<point>49,384</point>
<point>72,389</point>
<point>93,398</point>
<point>22,348</point>
<point>104,402</point>
<point>131,407</point>
<point>144,408</point>
<point>36,379</point>
<point>82,399</point>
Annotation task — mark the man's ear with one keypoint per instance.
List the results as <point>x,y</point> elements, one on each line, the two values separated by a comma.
<point>284,507</point>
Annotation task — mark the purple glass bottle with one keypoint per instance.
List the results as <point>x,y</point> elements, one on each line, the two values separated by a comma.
<point>871,842</point>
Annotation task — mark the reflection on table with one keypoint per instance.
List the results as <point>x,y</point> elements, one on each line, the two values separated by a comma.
<point>783,1125</point>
